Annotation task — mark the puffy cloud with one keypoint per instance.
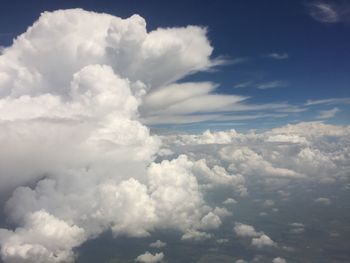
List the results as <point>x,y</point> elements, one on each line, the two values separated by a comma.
<point>244,230</point>
<point>147,257</point>
<point>158,244</point>
<point>246,161</point>
<point>176,193</point>
<point>196,235</point>
<point>43,238</point>
<point>210,221</point>
<point>279,260</point>
<point>304,151</point>
<point>229,201</point>
<point>76,160</point>
<point>259,239</point>
<point>262,241</point>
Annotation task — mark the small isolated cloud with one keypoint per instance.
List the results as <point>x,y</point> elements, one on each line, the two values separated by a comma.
<point>279,260</point>
<point>278,56</point>
<point>229,201</point>
<point>259,239</point>
<point>297,228</point>
<point>323,201</point>
<point>244,230</point>
<point>158,244</point>
<point>324,12</point>
<point>326,114</point>
<point>262,241</point>
<point>150,258</point>
<point>222,240</point>
<point>196,235</point>
<point>329,13</point>
<point>272,84</point>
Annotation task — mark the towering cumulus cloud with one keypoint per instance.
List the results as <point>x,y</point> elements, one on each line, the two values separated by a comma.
<point>74,159</point>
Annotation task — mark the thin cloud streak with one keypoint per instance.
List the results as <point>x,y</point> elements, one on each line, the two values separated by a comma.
<point>327,114</point>
<point>272,85</point>
<point>328,101</point>
<point>278,56</point>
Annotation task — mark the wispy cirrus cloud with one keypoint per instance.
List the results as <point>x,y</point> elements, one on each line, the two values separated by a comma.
<point>327,114</point>
<point>272,84</point>
<point>330,12</point>
<point>244,84</point>
<point>330,101</point>
<point>278,56</point>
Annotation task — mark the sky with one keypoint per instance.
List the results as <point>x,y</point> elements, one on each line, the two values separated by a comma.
<point>280,52</point>
<point>153,131</point>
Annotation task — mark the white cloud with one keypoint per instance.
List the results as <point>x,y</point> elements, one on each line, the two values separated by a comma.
<point>279,260</point>
<point>278,56</point>
<point>297,228</point>
<point>304,151</point>
<point>70,92</point>
<point>262,241</point>
<point>43,238</point>
<point>222,241</point>
<point>244,160</point>
<point>326,114</point>
<point>324,12</point>
<point>147,257</point>
<point>70,89</point>
<point>229,201</point>
<point>272,84</point>
<point>158,244</point>
<point>328,101</point>
<point>259,239</point>
<point>244,230</point>
<point>210,221</point>
<point>196,235</point>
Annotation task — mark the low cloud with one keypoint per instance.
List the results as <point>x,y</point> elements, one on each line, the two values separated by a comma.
<point>244,230</point>
<point>147,257</point>
<point>158,244</point>
<point>263,241</point>
<point>279,260</point>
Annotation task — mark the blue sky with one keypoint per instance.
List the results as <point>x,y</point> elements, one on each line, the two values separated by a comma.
<point>276,51</point>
